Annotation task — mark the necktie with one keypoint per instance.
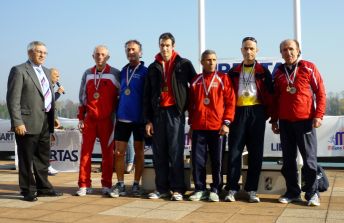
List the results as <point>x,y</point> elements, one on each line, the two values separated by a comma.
<point>45,89</point>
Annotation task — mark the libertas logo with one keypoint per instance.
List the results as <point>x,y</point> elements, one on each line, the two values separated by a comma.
<point>336,141</point>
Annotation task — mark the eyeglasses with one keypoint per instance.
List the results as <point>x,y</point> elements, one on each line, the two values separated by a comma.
<point>249,38</point>
<point>41,52</point>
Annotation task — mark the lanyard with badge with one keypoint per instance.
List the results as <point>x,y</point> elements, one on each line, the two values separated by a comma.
<point>206,100</point>
<point>127,91</point>
<point>290,88</point>
<point>96,94</point>
<point>247,81</point>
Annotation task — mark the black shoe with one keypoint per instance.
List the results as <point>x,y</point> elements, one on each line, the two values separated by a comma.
<point>52,193</point>
<point>30,197</point>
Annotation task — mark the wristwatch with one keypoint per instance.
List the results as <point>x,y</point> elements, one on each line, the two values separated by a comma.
<point>226,123</point>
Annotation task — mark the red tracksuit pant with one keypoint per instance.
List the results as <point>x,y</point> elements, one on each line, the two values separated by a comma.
<point>103,130</point>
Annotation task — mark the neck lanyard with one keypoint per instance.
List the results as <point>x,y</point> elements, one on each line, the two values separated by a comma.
<point>248,80</point>
<point>290,79</point>
<point>206,91</point>
<point>132,74</point>
<point>96,84</point>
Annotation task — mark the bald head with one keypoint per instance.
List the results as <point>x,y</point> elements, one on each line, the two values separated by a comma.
<point>54,75</point>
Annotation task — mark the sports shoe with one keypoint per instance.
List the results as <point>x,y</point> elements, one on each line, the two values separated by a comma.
<point>199,195</point>
<point>314,201</point>
<point>252,197</point>
<point>135,190</point>
<point>106,191</point>
<point>231,195</point>
<point>286,200</point>
<point>119,190</point>
<point>52,171</point>
<point>157,195</point>
<point>176,196</point>
<point>214,197</point>
<point>83,191</point>
<point>129,168</point>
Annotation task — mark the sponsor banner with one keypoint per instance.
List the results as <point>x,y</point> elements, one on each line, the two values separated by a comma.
<point>330,139</point>
<point>7,141</point>
<point>224,65</point>
<point>65,150</point>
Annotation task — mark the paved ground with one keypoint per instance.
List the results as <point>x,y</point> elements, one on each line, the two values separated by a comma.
<point>97,209</point>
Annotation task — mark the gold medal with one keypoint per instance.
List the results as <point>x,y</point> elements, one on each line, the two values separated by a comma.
<point>292,90</point>
<point>246,94</point>
<point>127,91</point>
<point>288,89</point>
<point>206,101</point>
<point>96,95</point>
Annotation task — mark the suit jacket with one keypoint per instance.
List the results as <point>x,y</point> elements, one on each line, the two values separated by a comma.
<point>25,100</point>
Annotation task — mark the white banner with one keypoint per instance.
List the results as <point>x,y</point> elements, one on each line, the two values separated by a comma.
<point>65,150</point>
<point>330,139</point>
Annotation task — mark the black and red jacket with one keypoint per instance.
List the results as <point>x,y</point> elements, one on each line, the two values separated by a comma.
<point>263,81</point>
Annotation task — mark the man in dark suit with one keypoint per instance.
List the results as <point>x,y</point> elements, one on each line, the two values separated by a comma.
<point>30,104</point>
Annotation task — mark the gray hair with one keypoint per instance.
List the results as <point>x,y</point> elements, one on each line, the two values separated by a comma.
<point>133,41</point>
<point>102,46</point>
<point>207,52</point>
<point>34,44</point>
<point>291,40</point>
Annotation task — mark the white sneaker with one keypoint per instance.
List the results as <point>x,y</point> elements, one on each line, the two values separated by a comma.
<point>119,190</point>
<point>83,191</point>
<point>130,168</point>
<point>199,195</point>
<point>252,197</point>
<point>231,195</point>
<point>314,201</point>
<point>176,196</point>
<point>157,195</point>
<point>52,171</point>
<point>214,197</point>
<point>286,200</point>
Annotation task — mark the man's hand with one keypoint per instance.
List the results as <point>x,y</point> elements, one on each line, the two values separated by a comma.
<point>20,130</point>
<point>57,123</point>
<point>224,130</point>
<point>81,125</point>
<point>149,129</point>
<point>61,90</point>
<point>275,128</point>
<point>316,122</point>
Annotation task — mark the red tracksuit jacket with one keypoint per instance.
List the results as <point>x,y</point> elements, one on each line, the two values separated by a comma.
<point>221,105</point>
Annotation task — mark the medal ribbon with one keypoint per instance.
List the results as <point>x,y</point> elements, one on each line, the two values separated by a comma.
<point>204,85</point>
<point>132,74</point>
<point>96,84</point>
<point>248,80</point>
<point>287,75</point>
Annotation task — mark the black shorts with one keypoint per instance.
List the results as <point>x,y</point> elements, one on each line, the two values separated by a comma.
<point>123,131</point>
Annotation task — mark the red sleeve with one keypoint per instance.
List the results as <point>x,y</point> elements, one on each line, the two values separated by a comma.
<point>81,112</point>
<point>229,100</point>
<point>320,94</point>
<point>191,105</point>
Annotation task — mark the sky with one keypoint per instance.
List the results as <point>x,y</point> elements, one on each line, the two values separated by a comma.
<point>71,30</point>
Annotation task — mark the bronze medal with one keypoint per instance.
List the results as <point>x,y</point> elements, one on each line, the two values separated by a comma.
<point>96,95</point>
<point>127,91</point>
<point>206,101</point>
<point>292,90</point>
<point>246,94</point>
<point>288,89</point>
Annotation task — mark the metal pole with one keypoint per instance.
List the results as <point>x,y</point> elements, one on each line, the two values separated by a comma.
<point>201,30</point>
<point>297,36</point>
